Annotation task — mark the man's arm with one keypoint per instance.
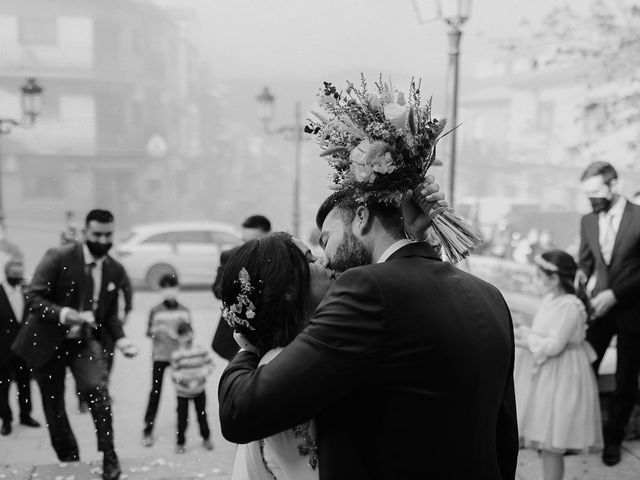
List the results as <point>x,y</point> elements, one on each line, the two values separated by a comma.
<point>127,293</point>
<point>586,260</point>
<point>507,442</point>
<point>338,352</point>
<point>39,292</point>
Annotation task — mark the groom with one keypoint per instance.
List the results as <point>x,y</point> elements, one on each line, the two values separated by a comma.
<point>406,364</point>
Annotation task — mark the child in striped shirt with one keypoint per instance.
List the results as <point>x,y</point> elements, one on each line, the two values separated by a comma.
<point>191,364</point>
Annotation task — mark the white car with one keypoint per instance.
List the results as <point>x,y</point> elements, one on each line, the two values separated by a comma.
<point>190,250</point>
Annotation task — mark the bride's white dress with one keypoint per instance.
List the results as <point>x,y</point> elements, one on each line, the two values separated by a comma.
<point>289,455</point>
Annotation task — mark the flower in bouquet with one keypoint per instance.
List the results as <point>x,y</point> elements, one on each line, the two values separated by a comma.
<point>380,144</point>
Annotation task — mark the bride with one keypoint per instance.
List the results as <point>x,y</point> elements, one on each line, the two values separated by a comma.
<point>270,290</point>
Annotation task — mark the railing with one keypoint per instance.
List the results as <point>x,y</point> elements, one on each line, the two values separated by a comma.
<point>76,56</point>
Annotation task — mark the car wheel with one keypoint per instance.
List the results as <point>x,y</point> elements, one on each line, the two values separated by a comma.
<point>156,272</point>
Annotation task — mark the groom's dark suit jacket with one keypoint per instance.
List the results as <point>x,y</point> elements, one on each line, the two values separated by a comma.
<point>59,281</point>
<point>407,368</point>
<point>622,275</point>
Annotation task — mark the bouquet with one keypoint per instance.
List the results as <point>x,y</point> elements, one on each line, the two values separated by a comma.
<point>381,144</point>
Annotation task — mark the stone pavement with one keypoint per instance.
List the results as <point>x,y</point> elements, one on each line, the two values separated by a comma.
<point>27,453</point>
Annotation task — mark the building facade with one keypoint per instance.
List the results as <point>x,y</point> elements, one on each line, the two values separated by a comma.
<point>121,121</point>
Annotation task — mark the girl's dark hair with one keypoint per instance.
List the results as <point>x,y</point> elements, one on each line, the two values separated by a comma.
<point>567,269</point>
<point>279,275</point>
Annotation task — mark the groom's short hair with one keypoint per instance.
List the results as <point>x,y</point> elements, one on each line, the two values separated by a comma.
<point>389,216</point>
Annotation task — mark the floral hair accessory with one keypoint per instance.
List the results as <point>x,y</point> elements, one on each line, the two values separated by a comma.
<point>233,314</point>
<point>544,264</point>
<point>381,144</point>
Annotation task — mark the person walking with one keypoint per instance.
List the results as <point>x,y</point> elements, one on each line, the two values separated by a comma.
<point>72,302</point>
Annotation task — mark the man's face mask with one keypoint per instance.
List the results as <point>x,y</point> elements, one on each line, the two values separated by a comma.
<point>98,249</point>
<point>600,204</point>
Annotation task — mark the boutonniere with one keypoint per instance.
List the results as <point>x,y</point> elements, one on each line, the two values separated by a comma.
<point>111,287</point>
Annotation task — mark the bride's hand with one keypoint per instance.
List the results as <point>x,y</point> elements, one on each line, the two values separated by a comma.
<point>429,198</point>
<point>243,343</point>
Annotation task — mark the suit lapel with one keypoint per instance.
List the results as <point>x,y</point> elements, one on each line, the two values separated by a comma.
<point>593,232</point>
<point>625,224</point>
<point>4,299</point>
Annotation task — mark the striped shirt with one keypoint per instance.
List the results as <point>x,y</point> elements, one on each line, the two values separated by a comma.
<point>190,368</point>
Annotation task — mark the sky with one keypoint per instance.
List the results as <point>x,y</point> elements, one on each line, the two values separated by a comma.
<point>308,39</point>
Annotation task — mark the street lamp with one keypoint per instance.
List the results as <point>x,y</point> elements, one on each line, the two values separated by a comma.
<point>31,103</point>
<point>454,13</point>
<point>266,110</point>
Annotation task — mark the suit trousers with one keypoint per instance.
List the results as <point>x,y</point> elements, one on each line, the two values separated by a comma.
<point>599,335</point>
<point>183,416</point>
<point>17,370</point>
<point>86,361</point>
<point>154,395</point>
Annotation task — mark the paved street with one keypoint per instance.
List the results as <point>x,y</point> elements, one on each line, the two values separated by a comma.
<point>27,454</point>
<point>130,386</point>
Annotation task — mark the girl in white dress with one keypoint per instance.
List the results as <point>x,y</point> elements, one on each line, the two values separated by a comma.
<point>556,389</point>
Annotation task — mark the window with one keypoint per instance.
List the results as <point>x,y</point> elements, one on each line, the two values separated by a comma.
<point>37,31</point>
<point>44,187</point>
<point>195,236</point>
<point>168,237</point>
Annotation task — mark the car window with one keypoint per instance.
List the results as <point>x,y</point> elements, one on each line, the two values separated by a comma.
<point>194,236</point>
<point>168,237</point>
<point>221,238</point>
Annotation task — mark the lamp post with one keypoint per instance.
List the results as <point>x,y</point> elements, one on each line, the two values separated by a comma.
<point>31,103</point>
<point>266,105</point>
<point>454,13</point>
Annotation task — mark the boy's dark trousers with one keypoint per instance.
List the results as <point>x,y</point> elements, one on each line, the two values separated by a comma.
<point>154,395</point>
<point>183,416</point>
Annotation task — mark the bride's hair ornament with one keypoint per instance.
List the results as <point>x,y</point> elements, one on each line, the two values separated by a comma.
<point>243,310</point>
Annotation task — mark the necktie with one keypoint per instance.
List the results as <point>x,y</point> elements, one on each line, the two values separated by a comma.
<point>609,239</point>
<point>88,304</point>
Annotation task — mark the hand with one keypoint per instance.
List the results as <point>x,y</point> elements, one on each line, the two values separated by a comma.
<point>243,343</point>
<point>603,302</point>
<point>414,205</point>
<point>127,348</point>
<point>73,318</point>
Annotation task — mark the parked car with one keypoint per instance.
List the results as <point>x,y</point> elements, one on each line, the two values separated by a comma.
<point>190,250</point>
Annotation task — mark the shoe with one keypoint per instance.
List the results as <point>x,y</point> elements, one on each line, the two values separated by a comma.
<point>6,428</point>
<point>207,444</point>
<point>29,422</point>
<point>71,457</point>
<point>611,454</point>
<point>180,448</point>
<point>83,407</point>
<point>147,439</point>
<point>110,466</point>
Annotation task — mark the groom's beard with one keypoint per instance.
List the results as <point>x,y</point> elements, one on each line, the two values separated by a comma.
<point>350,253</point>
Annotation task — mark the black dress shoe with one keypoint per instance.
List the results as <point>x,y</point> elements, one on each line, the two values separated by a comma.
<point>110,466</point>
<point>6,428</point>
<point>611,454</point>
<point>29,422</point>
<point>71,457</point>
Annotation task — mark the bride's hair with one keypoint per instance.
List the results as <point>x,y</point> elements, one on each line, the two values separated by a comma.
<point>279,275</point>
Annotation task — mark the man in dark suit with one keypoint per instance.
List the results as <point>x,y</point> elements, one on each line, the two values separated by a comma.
<point>406,365</point>
<point>610,257</point>
<point>12,312</point>
<point>223,343</point>
<point>72,302</point>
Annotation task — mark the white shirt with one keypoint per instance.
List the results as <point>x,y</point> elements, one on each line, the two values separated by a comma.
<point>96,273</point>
<point>608,225</point>
<point>16,299</point>
<point>393,248</point>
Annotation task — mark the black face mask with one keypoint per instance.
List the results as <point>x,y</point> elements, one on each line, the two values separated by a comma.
<point>97,249</point>
<point>600,204</point>
<point>14,281</point>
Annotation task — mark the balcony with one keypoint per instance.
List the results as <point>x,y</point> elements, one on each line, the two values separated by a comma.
<point>69,60</point>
